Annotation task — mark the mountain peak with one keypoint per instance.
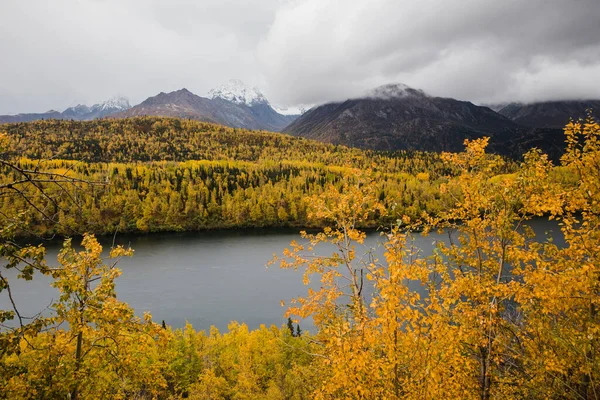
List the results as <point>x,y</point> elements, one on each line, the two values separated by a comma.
<point>79,107</point>
<point>76,111</point>
<point>180,98</point>
<point>98,110</point>
<point>237,92</point>
<point>182,93</point>
<point>116,103</point>
<point>394,90</point>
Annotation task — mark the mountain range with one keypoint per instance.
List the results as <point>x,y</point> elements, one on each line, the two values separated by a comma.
<point>391,117</point>
<point>397,117</point>
<point>549,114</point>
<point>233,104</point>
<point>78,112</point>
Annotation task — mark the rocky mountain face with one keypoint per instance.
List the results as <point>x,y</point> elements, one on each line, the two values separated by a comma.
<point>549,114</point>
<point>397,117</point>
<point>79,112</point>
<point>181,103</point>
<point>233,104</point>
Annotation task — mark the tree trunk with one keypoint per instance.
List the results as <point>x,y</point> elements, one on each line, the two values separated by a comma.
<point>74,392</point>
<point>484,378</point>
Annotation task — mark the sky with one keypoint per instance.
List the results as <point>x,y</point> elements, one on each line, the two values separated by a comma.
<point>55,54</point>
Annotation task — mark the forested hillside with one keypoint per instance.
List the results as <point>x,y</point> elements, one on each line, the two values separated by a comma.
<point>161,174</point>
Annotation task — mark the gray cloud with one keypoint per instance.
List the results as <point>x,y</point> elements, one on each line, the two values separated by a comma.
<point>484,51</point>
<point>58,53</point>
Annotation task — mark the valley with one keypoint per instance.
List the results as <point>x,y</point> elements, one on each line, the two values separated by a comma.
<point>393,200</point>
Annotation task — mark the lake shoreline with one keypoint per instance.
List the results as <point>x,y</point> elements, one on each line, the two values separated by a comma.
<point>222,231</point>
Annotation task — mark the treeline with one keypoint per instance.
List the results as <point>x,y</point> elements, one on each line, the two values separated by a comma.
<point>208,176</point>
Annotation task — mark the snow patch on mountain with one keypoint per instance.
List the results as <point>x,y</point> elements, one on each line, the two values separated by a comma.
<point>115,103</point>
<point>99,110</point>
<point>79,108</point>
<point>237,92</point>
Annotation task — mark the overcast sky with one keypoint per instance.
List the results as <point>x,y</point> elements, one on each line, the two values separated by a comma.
<point>54,54</point>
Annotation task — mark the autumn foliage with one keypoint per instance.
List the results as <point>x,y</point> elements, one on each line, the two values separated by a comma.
<point>164,174</point>
<point>502,312</point>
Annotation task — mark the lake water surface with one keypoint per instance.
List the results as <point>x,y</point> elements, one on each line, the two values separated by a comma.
<point>208,278</point>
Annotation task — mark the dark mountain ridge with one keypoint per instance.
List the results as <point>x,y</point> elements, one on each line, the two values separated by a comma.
<point>548,114</point>
<point>396,117</point>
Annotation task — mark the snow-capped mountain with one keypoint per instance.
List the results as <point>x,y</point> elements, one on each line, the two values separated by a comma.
<point>79,112</point>
<point>117,103</point>
<point>232,104</point>
<point>98,110</point>
<point>237,92</point>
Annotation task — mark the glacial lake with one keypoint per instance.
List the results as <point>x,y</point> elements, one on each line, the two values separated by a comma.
<point>207,278</point>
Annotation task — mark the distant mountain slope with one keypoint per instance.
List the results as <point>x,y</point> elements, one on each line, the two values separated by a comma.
<point>270,119</point>
<point>550,114</point>
<point>496,106</point>
<point>181,103</point>
<point>397,117</point>
<point>252,100</point>
<point>52,114</point>
<point>100,110</point>
<point>233,105</point>
<point>79,112</point>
